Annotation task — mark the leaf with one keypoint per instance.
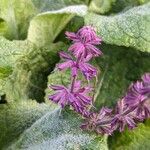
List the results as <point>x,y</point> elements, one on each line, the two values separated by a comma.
<point>101,6</point>
<point>3,27</point>
<point>58,131</point>
<point>124,5</point>
<point>29,76</point>
<point>132,140</point>
<point>45,27</point>
<point>48,5</point>
<point>16,117</point>
<point>19,14</point>
<point>10,51</point>
<point>130,28</point>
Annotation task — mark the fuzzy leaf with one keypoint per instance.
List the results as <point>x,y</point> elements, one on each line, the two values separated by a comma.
<point>29,75</point>
<point>18,14</point>
<point>58,132</point>
<point>10,51</point>
<point>45,27</point>
<point>124,5</point>
<point>130,28</point>
<point>16,117</point>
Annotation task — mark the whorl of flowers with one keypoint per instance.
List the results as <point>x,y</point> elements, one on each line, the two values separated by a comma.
<point>132,108</point>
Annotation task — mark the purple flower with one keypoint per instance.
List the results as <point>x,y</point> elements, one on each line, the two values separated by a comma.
<point>138,97</point>
<point>123,117</point>
<point>88,70</point>
<point>134,95</point>
<point>146,84</point>
<point>78,99</point>
<point>99,122</point>
<point>61,95</point>
<point>81,98</point>
<point>84,41</point>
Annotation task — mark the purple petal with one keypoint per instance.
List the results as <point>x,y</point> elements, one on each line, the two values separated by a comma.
<point>64,55</point>
<point>64,65</point>
<point>77,49</point>
<point>57,87</point>
<point>72,36</point>
<point>93,50</point>
<point>146,78</point>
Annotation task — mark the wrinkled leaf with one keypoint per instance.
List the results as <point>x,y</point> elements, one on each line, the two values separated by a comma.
<point>56,4</point>
<point>45,27</point>
<point>18,14</point>
<point>59,131</point>
<point>124,5</point>
<point>29,75</point>
<point>125,29</point>
<point>16,117</point>
<point>10,51</point>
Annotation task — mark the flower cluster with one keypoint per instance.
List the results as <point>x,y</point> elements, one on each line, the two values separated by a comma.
<point>132,108</point>
<point>82,50</point>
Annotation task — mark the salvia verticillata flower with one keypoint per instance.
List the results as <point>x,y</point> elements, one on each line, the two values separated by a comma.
<point>99,122</point>
<point>79,98</point>
<point>146,84</point>
<point>87,69</point>
<point>131,109</point>
<point>123,117</point>
<point>84,42</point>
<point>60,96</point>
<point>138,96</point>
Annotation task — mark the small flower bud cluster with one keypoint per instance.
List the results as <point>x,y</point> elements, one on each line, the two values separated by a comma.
<point>132,108</point>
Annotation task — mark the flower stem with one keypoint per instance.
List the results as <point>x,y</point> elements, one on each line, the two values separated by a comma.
<point>72,83</point>
<point>75,77</point>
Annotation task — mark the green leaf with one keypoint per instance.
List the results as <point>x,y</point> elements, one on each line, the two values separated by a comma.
<point>137,139</point>
<point>124,5</point>
<point>48,5</point>
<point>29,76</point>
<point>10,51</point>
<point>16,117</point>
<point>3,27</point>
<point>101,6</point>
<point>45,27</point>
<point>18,14</point>
<point>130,28</point>
<point>59,130</point>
